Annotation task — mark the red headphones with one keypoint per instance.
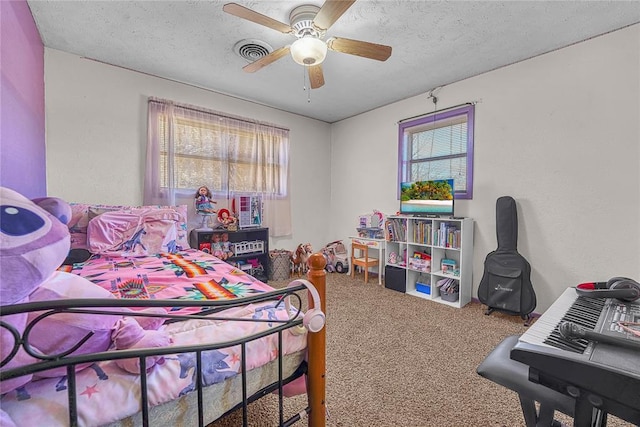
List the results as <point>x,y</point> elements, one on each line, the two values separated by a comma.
<point>314,318</point>
<point>623,288</point>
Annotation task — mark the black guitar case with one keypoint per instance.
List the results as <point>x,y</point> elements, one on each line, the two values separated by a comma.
<point>506,282</point>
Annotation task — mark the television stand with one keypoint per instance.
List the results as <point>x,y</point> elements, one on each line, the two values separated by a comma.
<point>434,257</point>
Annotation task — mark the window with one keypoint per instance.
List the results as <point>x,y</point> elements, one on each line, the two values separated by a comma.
<point>438,146</point>
<point>227,154</point>
<point>188,147</point>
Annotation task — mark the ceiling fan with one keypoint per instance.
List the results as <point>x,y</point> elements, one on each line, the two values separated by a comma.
<point>309,25</point>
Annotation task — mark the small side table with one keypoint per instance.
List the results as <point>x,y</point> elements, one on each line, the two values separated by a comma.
<point>379,245</point>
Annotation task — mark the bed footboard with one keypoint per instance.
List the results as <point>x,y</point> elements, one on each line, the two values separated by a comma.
<point>317,343</point>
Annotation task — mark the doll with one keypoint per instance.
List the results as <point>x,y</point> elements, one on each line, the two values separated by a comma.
<point>329,258</point>
<point>216,247</point>
<point>226,246</point>
<point>255,212</point>
<point>225,218</point>
<point>203,200</point>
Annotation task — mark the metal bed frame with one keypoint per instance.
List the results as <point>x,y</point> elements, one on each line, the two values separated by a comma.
<point>211,310</point>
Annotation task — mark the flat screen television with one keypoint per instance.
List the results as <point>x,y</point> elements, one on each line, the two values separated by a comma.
<point>427,198</point>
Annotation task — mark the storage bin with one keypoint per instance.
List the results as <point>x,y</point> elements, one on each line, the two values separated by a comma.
<point>279,264</point>
<point>423,287</point>
<point>395,278</point>
<point>450,297</point>
<point>420,264</point>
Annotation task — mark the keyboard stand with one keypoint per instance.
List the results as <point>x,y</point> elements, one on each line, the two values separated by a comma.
<point>501,369</point>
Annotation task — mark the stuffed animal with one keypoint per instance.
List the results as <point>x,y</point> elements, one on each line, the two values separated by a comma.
<point>34,241</point>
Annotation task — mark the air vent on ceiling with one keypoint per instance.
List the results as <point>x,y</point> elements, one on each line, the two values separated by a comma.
<point>252,49</point>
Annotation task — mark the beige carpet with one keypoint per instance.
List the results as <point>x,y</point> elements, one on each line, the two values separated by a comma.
<point>395,360</point>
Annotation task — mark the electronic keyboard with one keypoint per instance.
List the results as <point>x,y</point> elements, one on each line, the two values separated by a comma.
<point>598,375</point>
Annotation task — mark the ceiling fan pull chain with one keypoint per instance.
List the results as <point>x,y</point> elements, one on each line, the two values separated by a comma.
<point>304,78</point>
<point>309,91</point>
<point>304,83</point>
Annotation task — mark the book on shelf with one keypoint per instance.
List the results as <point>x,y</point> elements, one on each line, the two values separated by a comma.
<point>422,232</point>
<point>448,236</point>
<point>395,230</point>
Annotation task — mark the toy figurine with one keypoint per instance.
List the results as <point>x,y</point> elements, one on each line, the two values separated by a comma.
<point>226,246</point>
<point>203,200</point>
<point>393,258</point>
<point>300,258</point>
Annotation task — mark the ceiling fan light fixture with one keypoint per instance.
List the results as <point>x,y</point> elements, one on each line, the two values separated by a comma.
<point>308,50</point>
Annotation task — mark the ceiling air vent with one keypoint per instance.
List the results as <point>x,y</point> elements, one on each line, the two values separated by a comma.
<point>252,49</point>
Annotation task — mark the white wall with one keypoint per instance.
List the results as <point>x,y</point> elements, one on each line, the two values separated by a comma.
<point>96,127</point>
<point>560,133</point>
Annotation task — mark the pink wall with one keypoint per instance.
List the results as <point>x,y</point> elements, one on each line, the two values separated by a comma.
<point>22,132</point>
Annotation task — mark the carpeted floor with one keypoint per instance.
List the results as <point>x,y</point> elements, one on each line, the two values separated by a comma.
<point>394,360</point>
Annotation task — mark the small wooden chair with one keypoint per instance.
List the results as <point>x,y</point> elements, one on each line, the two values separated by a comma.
<point>360,257</point>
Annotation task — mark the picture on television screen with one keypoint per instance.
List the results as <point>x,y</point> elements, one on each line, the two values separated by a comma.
<point>433,197</point>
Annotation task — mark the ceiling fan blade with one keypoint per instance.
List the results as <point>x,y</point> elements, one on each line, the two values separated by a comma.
<point>316,78</point>
<point>330,11</point>
<point>375,51</point>
<point>253,16</point>
<point>266,60</point>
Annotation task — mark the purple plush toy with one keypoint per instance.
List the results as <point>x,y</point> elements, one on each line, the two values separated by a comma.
<point>34,241</point>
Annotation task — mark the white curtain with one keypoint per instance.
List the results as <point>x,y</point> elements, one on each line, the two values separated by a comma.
<point>189,147</point>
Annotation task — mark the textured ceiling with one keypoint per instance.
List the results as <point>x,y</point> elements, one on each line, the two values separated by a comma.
<point>434,43</point>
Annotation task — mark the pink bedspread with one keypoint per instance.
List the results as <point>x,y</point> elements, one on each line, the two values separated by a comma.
<point>185,275</point>
<point>106,393</point>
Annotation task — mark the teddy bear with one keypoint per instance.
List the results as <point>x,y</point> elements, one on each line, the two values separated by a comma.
<point>34,242</point>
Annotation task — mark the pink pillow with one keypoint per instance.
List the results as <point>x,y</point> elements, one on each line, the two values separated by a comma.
<point>82,214</point>
<point>78,225</point>
<point>137,232</point>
